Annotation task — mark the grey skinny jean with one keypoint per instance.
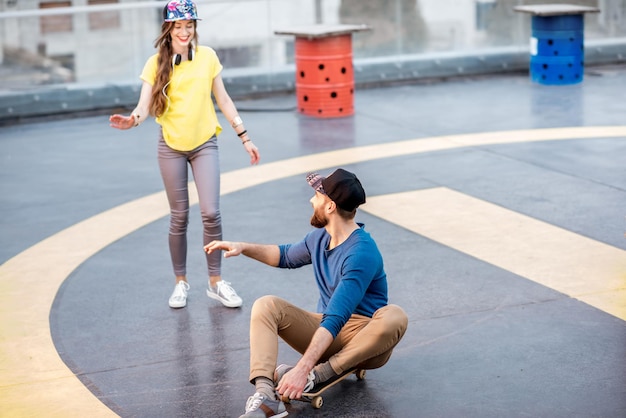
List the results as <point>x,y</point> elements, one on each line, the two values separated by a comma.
<point>204,162</point>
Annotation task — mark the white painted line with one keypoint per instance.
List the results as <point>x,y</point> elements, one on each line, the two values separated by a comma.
<point>580,267</point>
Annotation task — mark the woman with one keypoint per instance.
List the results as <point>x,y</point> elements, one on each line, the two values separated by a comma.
<point>177,86</point>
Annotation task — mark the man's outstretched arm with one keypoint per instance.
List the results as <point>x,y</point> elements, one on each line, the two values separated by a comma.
<point>265,253</point>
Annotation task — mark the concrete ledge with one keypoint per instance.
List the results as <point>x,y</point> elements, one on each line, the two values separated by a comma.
<point>249,83</point>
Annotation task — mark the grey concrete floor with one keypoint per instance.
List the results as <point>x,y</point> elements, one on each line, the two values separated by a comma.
<point>482,341</point>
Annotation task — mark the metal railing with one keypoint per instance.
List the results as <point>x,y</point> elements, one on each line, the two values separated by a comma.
<point>95,63</point>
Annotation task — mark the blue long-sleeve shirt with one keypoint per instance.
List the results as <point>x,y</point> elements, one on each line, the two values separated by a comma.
<point>350,277</point>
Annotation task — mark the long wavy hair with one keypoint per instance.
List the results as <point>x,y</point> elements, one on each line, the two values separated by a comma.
<point>159,100</point>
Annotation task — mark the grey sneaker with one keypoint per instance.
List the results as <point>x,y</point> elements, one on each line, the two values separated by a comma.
<point>283,368</point>
<point>179,295</point>
<point>259,406</point>
<point>225,294</point>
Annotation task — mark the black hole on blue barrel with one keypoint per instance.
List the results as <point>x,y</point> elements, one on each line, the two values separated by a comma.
<point>545,66</point>
<point>556,52</point>
<point>306,98</point>
<point>543,77</point>
<point>570,65</point>
<point>560,76</point>
<point>333,95</point>
<point>550,42</point>
<point>301,74</point>
<point>321,67</point>
<point>571,39</point>
<point>343,70</point>
<point>577,76</point>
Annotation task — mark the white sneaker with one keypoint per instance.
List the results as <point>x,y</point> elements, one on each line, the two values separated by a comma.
<point>179,295</point>
<point>258,406</point>
<point>225,294</point>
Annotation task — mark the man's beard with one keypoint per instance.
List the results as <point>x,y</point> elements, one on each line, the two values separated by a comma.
<point>318,220</point>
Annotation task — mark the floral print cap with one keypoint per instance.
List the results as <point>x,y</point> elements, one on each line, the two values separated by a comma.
<point>180,10</point>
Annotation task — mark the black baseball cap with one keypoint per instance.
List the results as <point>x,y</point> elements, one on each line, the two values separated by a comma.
<point>342,187</point>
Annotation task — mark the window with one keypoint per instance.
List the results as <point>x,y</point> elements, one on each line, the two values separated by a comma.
<point>55,23</point>
<point>103,20</point>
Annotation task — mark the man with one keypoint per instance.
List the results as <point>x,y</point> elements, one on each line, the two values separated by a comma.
<point>354,325</point>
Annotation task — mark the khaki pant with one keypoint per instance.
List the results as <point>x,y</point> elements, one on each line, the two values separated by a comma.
<point>363,342</point>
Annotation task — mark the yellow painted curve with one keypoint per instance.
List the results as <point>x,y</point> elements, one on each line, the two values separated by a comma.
<point>34,380</point>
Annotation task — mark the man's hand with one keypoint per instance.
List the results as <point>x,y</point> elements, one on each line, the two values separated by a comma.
<point>268,254</point>
<point>293,382</point>
<point>231,249</point>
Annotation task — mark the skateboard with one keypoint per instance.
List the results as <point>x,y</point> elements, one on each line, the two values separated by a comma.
<point>315,398</point>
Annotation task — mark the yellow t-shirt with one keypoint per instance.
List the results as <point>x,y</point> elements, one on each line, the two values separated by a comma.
<point>189,119</point>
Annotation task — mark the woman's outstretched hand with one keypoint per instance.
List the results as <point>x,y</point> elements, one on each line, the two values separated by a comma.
<point>121,121</point>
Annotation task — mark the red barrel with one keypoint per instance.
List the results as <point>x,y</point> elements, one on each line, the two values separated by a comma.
<point>325,76</point>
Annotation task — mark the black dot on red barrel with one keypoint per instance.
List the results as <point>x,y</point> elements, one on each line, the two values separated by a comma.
<point>306,98</point>
<point>333,95</point>
<point>319,111</point>
<point>340,109</point>
<point>321,67</point>
<point>343,70</point>
<point>351,91</point>
<point>301,74</point>
<point>327,79</point>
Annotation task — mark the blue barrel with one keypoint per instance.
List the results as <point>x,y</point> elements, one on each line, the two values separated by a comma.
<point>557,49</point>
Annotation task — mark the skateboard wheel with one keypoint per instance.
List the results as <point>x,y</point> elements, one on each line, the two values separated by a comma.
<point>317,402</point>
<point>360,374</point>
